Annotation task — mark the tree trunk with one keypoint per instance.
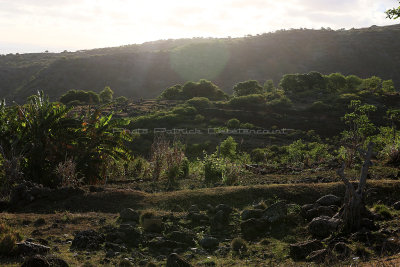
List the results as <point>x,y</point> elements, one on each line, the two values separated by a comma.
<point>354,207</point>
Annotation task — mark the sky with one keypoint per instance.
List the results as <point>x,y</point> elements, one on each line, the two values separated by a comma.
<point>56,25</point>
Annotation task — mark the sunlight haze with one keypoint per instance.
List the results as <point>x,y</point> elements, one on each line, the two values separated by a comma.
<point>36,26</point>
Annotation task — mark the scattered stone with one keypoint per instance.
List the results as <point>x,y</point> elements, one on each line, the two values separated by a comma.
<point>161,243</point>
<point>329,200</point>
<point>194,209</point>
<point>300,251</point>
<point>225,208</point>
<point>175,261</point>
<point>183,237</point>
<point>323,226</point>
<point>88,239</point>
<point>219,221</point>
<point>253,228</point>
<point>198,218</point>
<point>129,215</point>
<point>251,214</point>
<point>36,261</point>
<point>317,256</point>
<point>209,243</point>
<point>275,212</point>
<point>396,205</point>
<point>115,247</point>
<point>125,263</point>
<point>30,248</point>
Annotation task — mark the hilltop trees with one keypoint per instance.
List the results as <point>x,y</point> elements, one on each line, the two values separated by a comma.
<point>202,88</point>
<point>247,88</point>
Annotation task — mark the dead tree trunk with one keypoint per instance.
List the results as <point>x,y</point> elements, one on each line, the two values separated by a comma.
<point>354,207</point>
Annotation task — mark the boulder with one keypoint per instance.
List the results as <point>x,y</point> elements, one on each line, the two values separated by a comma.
<point>300,251</point>
<point>318,211</point>
<point>87,240</point>
<point>329,200</point>
<point>275,212</point>
<point>30,248</point>
<point>317,256</point>
<point>342,250</point>
<point>174,260</point>
<point>219,221</point>
<point>184,237</point>
<point>129,215</point>
<point>253,228</point>
<point>36,261</point>
<point>224,208</point>
<point>209,243</point>
<point>323,226</point>
<point>251,214</point>
<point>194,209</point>
<point>55,261</point>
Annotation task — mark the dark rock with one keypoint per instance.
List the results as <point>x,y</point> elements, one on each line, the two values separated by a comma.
<point>194,209</point>
<point>391,245</point>
<point>30,248</point>
<point>209,243</point>
<point>300,251</point>
<point>161,243</point>
<point>129,215</point>
<point>183,237</point>
<point>198,218</point>
<point>225,208</point>
<point>329,200</point>
<point>251,214</point>
<point>323,226</point>
<point>275,212</point>
<point>36,261</point>
<point>57,262</point>
<point>153,225</point>
<point>128,234</point>
<point>114,247</point>
<point>219,221</point>
<point>175,261</point>
<point>88,240</point>
<point>317,256</point>
<point>125,263</point>
<point>253,228</point>
<point>396,205</point>
<point>342,250</point>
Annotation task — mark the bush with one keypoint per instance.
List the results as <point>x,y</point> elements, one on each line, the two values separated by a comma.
<point>233,123</point>
<point>383,210</point>
<point>8,244</point>
<point>213,169</point>
<point>238,245</point>
<point>257,155</point>
<point>254,101</point>
<point>227,148</point>
<point>199,102</point>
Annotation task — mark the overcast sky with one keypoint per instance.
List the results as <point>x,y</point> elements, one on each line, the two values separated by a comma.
<point>57,25</point>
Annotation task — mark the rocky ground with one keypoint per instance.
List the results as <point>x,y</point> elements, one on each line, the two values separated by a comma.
<point>261,225</point>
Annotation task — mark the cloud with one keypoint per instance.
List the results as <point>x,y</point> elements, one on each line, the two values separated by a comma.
<point>79,24</point>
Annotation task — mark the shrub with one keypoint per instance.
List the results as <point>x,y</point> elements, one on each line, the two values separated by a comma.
<point>213,169</point>
<point>233,123</point>
<point>258,155</point>
<point>254,101</point>
<point>383,210</point>
<point>227,148</point>
<point>172,93</point>
<point>238,245</point>
<point>199,102</point>
<point>185,110</point>
<point>247,88</point>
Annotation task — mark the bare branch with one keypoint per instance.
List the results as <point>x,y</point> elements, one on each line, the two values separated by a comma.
<point>365,167</point>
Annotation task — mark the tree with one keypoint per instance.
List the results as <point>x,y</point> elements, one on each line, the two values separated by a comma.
<point>354,209</point>
<point>247,88</point>
<point>393,13</point>
<point>269,86</point>
<point>106,96</point>
<point>172,93</point>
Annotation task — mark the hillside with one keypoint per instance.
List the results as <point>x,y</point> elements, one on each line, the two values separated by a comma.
<point>147,69</point>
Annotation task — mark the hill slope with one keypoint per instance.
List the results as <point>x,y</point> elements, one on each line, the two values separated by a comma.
<point>145,70</point>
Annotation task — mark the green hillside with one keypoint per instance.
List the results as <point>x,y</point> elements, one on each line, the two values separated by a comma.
<point>143,71</point>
